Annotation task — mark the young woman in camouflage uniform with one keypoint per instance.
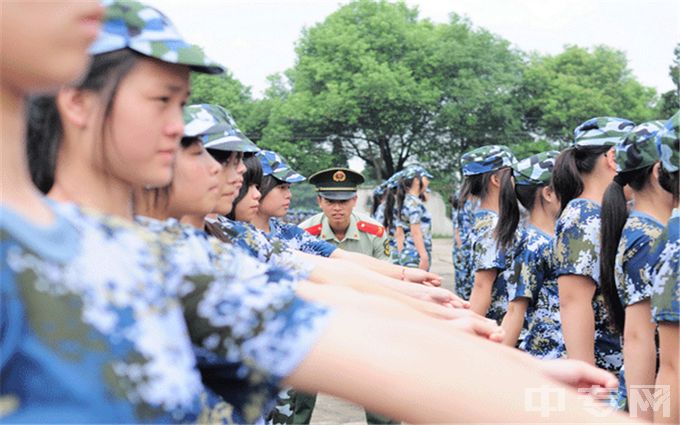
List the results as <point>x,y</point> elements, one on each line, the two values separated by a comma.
<point>462,216</point>
<point>532,285</point>
<point>626,240</point>
<point>113,309</point>
<point>487,171</point>
<point>580,177</point>
<point>414,219</point>
<point>665,300</point>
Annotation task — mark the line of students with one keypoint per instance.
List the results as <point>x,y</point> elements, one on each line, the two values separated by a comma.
<point>111,317</point>
<point>588,256</point>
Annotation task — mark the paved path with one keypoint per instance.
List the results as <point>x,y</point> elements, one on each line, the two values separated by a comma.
<point>330,410</point>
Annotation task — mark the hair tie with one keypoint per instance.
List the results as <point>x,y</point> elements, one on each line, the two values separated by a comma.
<point>620,179</point>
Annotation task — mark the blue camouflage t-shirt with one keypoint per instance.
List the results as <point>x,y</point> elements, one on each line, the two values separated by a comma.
<point>296,238</point>
<point>665,277</point>
<point>532,276</point>
<point>414,212</point>
<point>577,252</point>
<point>112,314</point>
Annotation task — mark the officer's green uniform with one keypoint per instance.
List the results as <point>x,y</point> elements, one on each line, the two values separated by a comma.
<point>364,235</point>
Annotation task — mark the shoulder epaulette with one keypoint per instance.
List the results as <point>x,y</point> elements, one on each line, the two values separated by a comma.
<point>373,229</point>
<point>314,230</point>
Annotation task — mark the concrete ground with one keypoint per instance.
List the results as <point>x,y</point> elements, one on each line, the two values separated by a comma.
<point>330,410</point>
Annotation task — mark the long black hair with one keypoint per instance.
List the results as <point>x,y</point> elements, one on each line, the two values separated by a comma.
<point>570,165</point>
<point>508,210</point>
<point>252,176</point>
<point>376,201</point>
<point>44,127</point>
<point>402,190</point>
<point>390,199</point>
<point>614,216</point>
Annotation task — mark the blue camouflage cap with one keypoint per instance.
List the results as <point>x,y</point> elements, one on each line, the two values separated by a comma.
<point>668,144</point>
<point>216,128</point>
<point>486,159</point>
<point>380,189</point>
<point>536,169</point>
<point>145,30</point>
<point>638,148</point>
<point>415,171</point>
<point>274,165</point>
<point>393,181</point>
<point>602,131</point>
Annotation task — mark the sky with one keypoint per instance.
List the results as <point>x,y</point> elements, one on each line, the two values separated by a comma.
<point>256,38</point>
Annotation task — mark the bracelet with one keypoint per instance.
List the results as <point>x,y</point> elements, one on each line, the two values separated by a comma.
<point>403,273</point>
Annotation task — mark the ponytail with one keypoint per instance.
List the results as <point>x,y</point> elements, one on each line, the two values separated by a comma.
<point>43,139</point>
<point>508,211</point>
<point>388,220</point>
<point>377,200</point>
<point>613,217</point>
<point>670,182</point>
<point>44,127</point>
<point>569,166</point>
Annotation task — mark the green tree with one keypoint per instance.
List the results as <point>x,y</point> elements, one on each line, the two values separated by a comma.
<point>224,90</point>
<point>564,90</point>
<point>375,81</point>
<point>670,101</point>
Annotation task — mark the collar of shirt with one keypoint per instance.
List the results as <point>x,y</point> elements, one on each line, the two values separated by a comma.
<point>352,231</point>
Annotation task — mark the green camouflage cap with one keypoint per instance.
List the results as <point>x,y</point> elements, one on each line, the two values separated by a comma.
<point>535,170</point>
<point>668,144</point>
<point>274,165</point>
<point>638,149</point>
<point>145,30</point>
<point>215,127</point>
<point>487,159</point>
<point>602,131</point>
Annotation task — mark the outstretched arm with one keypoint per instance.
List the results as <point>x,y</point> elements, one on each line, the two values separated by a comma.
<point>426,375</point>
<point>389,269</point>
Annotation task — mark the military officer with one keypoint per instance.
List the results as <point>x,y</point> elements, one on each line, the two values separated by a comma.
<point>339,224</point>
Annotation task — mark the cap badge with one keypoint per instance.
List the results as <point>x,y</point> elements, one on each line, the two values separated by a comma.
<point>339,176</point>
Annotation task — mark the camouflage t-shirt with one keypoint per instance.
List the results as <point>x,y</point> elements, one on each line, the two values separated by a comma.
<point>665,278</point>
<point>114,318</point>
<point>414,212</point>
<point>532,276</point>
<point>486,256</point>
<point>577,252</point>
<point>463,220</point>
<point>296,238</point>
<point>272,250</point>
<point>632,271</point>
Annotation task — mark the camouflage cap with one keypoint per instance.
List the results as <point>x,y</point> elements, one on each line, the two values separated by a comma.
<point>274,165</point>
<point>535,170</point>
<point>380,189</point>
<point>145,30</point>
<point>487,159</point>
<point>393,181</point>
<point>415,171</point>
<point>638,149</point>
<point>602,131</point>
<point>668,144</point>
<point>216,128</point>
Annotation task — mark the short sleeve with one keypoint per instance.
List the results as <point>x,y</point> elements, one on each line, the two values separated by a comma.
<point>577,244</point>
<point>637,281</point>
<point>666,281</point>
<point>413,214</point>
<point>487,256</point>
<point>248,320</point>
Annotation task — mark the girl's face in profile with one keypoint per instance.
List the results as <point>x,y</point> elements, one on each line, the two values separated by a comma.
<point>195,187</point>
<point>277,201</point>
<point>231,180</point>
<point>142,133</point>
<point>247,208</point>
<point>44,43</point>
